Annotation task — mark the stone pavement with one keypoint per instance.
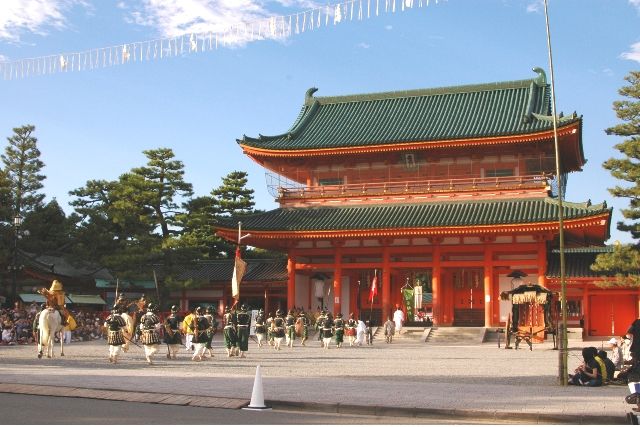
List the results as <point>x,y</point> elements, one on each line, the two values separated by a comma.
<point>406,378</point>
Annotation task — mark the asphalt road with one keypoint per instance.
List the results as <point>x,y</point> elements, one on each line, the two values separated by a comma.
<point>21,410</point>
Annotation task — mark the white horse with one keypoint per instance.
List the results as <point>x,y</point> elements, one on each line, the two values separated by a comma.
<point>127,331</point>
<point>49,324</point>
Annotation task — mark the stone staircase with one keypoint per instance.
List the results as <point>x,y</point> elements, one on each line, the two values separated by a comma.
<point>410,334</point>
<point>455,335</point>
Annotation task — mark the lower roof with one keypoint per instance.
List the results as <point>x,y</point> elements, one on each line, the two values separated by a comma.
<point>467,213</point>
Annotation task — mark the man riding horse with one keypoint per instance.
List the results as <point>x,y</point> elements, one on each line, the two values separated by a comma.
<point>55,299</point>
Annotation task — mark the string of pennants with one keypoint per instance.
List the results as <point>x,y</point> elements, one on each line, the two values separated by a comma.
<point>275,27</point>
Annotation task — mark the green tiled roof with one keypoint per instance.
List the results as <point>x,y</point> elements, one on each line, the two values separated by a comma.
<point>424,215</point>
<point>577,261</point>
<point>265,270</point>
<point>460,112</point>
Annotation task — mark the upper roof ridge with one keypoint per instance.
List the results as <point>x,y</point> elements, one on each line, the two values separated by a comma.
<point>540,80</point>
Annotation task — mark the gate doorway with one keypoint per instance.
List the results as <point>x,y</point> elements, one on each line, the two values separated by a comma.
<point>468,297</point>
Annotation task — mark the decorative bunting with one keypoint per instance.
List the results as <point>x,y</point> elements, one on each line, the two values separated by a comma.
<point>275,27</point>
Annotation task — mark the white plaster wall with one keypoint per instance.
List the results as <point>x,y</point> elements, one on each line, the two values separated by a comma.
<point>344,299</point>
<point>302,291</point>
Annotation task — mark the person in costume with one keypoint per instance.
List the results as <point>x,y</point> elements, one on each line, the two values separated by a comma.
<point>260,328</point>
<point>244,321</point>
<point>230,334</point>
<point>389,330</point>
<point>188,332</point>
<point>199,325</point>
<point>319,324</point>
<point>278,329</point>
<point>269,327</point>
<point>172,336</point>
<point>338,329</point>
<point>360,332</point>
<point>213,328</point>
<point>350,329</point>
<point>114,324</point>
<point>303,321</point>
<point>149,323</point>
<point>398,319</point>
<point>290,324</point>
<point>55,297</point>
<point>327,331</point>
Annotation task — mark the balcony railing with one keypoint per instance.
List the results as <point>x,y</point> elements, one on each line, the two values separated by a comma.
<point>413,187</point>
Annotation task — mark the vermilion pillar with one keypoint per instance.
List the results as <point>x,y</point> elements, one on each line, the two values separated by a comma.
<point>435,287</point>
<point>291,282</point>
<point>488,287</point>
<point>386,284</point>
<point>337,282</point>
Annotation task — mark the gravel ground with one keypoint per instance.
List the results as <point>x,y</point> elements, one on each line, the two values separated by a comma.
<point>405,374</point>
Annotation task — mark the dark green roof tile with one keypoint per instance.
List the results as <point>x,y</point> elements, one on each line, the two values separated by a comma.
<point>423,215</point>
<point>577,261</point>
<point>460,112</point>
<point>222,271</point>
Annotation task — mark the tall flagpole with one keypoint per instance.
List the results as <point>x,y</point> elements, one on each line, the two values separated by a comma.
<point>563,354</point>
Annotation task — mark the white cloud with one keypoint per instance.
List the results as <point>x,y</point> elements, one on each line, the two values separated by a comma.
<point>3,58</point>
<point>535,6</point>
<point>388,27</point>
<point>635,3</point>
<point>634,54</point>
<point>173,18</point>
<point>35,16</point>
<point>363,45</point>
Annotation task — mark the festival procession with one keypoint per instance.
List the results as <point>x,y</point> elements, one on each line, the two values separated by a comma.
<point>140,323</point>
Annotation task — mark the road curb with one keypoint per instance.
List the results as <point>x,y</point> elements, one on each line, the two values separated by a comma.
<point>456,414</point>
<point>335,408</point>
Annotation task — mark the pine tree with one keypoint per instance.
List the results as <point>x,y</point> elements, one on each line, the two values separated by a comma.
<point>22,166</point>
<point>233,198</point>
<point>624,262</point>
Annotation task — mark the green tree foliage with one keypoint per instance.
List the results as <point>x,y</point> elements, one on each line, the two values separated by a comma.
<point>624,262</point>
<point>197,222</point>
<point>619,268</point>
<point>233,198</point>
<point>22,166</point>
<point>49,229</point>
<point>157,185</point>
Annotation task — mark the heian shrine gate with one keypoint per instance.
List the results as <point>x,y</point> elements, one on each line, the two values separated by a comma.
<point>450,188</point>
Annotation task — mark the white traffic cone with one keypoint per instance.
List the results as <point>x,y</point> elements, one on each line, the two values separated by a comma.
<point>257,396</point>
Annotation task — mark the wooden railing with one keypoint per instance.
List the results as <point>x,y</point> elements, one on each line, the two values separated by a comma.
<point>414,187</point>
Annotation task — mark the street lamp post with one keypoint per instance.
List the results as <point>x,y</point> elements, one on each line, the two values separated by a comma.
<point>17,223</point>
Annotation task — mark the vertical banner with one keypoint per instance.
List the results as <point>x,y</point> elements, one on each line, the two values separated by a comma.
<point>238,271</point>
<point>408,298</point>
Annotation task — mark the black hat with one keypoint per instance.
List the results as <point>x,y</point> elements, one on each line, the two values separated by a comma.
<point>174,308</point>
<point>209,310</point>
<point>243,307</point>
<point>198,310</point>
<point>339,315</point>
<point>151,307</point>
<point>278,312</point>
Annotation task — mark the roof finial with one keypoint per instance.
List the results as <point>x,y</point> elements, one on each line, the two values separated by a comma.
<point>541,80</point>
<point>309,94</point>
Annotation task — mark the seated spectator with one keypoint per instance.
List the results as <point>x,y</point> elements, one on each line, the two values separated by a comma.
<point>589,373</point>
<point>608,364</point>
<point>8,335</point>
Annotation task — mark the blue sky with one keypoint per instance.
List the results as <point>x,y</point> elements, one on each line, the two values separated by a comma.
<point>95,124</point>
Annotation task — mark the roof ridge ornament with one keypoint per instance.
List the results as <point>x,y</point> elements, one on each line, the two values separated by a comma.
<point>541,80</point>
<point>308,95</point>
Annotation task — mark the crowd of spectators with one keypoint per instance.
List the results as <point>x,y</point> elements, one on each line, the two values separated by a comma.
<point>16,325</point>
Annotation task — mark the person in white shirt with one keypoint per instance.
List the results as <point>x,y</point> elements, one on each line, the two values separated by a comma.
<point>398,319</point>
